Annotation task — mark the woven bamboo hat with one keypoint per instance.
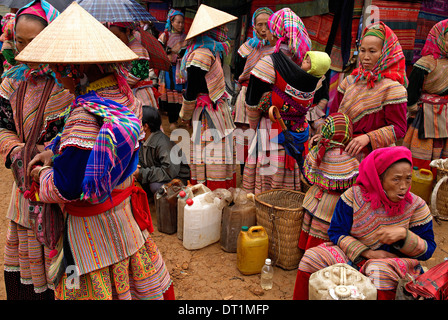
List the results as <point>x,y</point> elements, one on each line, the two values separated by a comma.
<point>76,37</point>
<point>207,18</point>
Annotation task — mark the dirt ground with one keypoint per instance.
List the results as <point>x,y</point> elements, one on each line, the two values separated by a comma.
<point>208,273</point>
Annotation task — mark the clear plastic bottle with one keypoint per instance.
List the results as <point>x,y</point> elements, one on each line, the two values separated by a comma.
<point>267,275</point>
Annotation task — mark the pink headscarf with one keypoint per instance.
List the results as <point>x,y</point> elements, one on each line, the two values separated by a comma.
<point>289,28</point>
<point>435,44</point>
<point>370,170</point>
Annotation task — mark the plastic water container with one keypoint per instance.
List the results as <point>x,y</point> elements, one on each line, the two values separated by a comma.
<point>189,192</point>
<point>202,222</point>
<point>252,249</point>
<point>165,200</point>
<point>241,212</point>
<point>422,183</point>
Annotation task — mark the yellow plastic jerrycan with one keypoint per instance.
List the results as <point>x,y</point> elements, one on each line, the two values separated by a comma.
<point>252,249</point>
<point>422,183</point>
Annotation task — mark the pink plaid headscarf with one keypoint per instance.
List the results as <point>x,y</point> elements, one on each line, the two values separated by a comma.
<point>289,28</point>
<point>435,44</point>
<point>370,169</point>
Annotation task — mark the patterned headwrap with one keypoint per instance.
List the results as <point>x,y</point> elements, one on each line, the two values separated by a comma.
<point>391,63</point>
<point>435,44</point>
<point>337,132</point>
<point>46,11</point>
<point>256,41</point>
<point>370,169</point>
<point>171,14</point>
<point>289,28</point>
<point>216,40</point>
<point>327,164</point>
<point>8,22</point>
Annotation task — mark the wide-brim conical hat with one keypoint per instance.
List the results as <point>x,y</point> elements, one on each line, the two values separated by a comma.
<point>208,18</point>
<point>76,37</point>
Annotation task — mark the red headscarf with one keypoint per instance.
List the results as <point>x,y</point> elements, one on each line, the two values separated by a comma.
<point>435,44</point>
<point>368,179</point>
<point>391,64</point>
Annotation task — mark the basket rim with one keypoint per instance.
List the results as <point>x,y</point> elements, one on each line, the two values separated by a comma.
<point>273,206</point>
<point>441,169</point>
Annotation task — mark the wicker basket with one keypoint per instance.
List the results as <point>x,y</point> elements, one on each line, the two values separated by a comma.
<point>439,197</point>
<point>280,212</point>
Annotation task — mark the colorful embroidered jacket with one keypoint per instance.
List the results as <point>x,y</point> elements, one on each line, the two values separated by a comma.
<point>354,223</point>
<point>53,121</point>
<point>97,241</point>
<point>379,112</point>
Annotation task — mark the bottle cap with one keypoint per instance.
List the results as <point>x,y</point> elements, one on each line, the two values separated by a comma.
<point>244,228</point>
<point>268,261</point>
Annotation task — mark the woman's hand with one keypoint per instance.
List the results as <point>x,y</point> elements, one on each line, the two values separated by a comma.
<point>315,139</point>
<point>16,150</point>
<point>35,173</point>
<point>44,158</point>
<point>357,144</point>
<point>137,172</point>
<point>390,234</point>
<point>377,254</point>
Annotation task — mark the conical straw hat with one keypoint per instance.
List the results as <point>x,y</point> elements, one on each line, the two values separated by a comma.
<point>76,37</point>
<point>206,19</point>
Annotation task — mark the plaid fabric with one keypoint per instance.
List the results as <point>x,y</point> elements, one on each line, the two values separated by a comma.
<point>435,44</point>
<point>116,10</point>
<point>336,132</point>
<point>114,146</point>
<point>289,28</point>
<point>328,165</point>
<point>432,284</point>
<point>157,55</point>
<point>391,64</point>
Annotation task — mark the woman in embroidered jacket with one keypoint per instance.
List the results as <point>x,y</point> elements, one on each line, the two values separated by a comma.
<point>378,224</point>
<point>26,260</point>
<point>278,80</point>
<point>172,82</point>
<point>138,71</point>
<point>374,95</point>
<point>249,54</point>
<point>428,100</point>
<point>330,170</point>
<point>89,167</point>
<point>205,103</point>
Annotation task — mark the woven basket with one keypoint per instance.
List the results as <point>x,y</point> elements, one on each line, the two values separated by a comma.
<point>280,212</point>
<point>439,197</point>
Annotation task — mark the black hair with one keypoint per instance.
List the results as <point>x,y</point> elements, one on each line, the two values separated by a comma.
<point>33,17</point>
<point>151,117</point>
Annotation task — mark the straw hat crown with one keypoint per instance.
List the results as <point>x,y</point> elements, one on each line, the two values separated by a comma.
<point>207,18</point>
<point>76,37</point>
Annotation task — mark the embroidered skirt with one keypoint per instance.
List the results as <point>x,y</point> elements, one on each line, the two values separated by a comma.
<point>266,167</point>
<point>26,256</point>
<point>142,276</point>
<point>212,147</point>
<point>427,135</point>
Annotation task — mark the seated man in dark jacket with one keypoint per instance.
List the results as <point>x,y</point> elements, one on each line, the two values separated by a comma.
<point>155,165</point>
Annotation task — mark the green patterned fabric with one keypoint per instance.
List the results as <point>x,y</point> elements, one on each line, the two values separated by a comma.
<point>140,68</point>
